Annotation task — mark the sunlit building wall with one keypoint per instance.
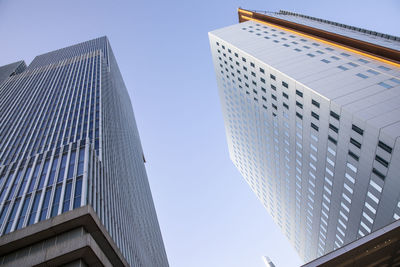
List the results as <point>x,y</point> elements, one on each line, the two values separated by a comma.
<point>312,126</point>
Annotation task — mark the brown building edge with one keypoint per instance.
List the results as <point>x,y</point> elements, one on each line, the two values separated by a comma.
<point>87,240</point>
<point>381,52</point>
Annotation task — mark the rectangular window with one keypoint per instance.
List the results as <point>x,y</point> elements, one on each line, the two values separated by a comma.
<point>23,212</point>
<point>286,105</point>
<point>354,142</point>
<point>53,172</point>
<point>381,161</point>
<point>315,115</point>
<point>299,115</point>
<point>395,80</point>
<point>11,217</point>
<point>315,103</point>
<point>284,84</point>
<point>273,87</point>
<point>62,168</point>
<point>354,156</point>
<point>385,147</point>
<point>71,165</point>
<point>67,197</point>
<point>45,205</point>
<point>34,208</point>
<point>357,129</point>
<point>385,85</point>
<point>384,68</point>
<point>285,95</point>
<point>330,138</point>
<point>44,173</point>
<point>78,193</point>
<point>378,173</point>
<point>272,77</point>
<point>262,70</point>
<point>299,93</point>
<point>34,177</point>
<point>333,128</point>
<point>335,115</point>
<point>315,127</point>
<point>352,167</point>
<point>376,186</point>
<point>299,104</point>
<point>373,72</point>
<point>362,75</point>
<point>24,181</point>
<point>56,201</point>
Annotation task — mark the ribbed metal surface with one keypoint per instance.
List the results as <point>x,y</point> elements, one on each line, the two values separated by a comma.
<point>69,138</point>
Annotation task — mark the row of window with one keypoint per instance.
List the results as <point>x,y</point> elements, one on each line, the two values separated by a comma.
<point>23,188</point>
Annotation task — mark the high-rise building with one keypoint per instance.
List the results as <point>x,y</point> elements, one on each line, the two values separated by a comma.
<point>73,185</point>
<point>11,69</point>
<point>311,111</point>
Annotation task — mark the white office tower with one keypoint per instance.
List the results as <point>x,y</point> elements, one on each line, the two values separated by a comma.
<point>312,118</point>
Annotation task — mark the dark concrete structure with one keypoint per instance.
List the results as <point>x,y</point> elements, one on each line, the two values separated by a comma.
<point>380,248</point>
<point>74,238</point>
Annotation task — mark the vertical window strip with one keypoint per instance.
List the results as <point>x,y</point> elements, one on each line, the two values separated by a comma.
<point>56,201</point>
<point>78,193</point>
<point>67,196</point>
<point>45,205</point>
<point>35,205</point>
<point>23,212</point>
<point>11,217</point>
<point>24,181</point>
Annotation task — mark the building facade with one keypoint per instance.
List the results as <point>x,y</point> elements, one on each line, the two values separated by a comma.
<point>311,111</point>
<point>68,139</point>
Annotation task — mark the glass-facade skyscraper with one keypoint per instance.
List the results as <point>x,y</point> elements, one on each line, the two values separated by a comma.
<point>311,111</point>
<point>68,138</point>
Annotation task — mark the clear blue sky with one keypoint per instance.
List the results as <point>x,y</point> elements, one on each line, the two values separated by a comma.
<point>208,214</point>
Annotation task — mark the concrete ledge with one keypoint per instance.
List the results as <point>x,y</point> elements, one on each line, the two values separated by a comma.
<point>97,240</point>
<point>380,248</point>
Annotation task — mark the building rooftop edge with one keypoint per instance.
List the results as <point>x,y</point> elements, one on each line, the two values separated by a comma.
<point>362,30</point>
<point>377,52</point>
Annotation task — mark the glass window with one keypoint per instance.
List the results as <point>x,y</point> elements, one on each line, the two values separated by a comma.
<point>34,208</point>
<point>4,212</point>
<point>11,218</point>
<point>43,175</point>
<point>34,177</point>
<point>24,181</point>
<point>71,165</point>
<point>23,212</point>
<point>14,185</point>
<point>7,183</point>
<point>385,85</point>
<point>56,201</point>
<point>53,172</point>
<point>78,192</point>
<point>62,168</point>
<point>45,205</point>
<point>67,197</point>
